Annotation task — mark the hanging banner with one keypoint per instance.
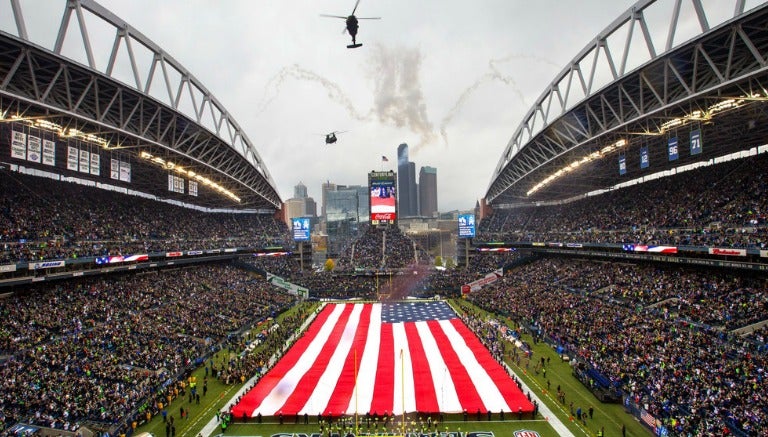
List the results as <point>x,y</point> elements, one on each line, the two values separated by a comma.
<point>622,165</point>
<point>34,149</point>
<point>644,162</point>
<point>175,184</point>
<point>95,164</point>
<point>18,145</point>
<point>125,171</point>
<point>193,188</point>
<point>672,148</point>
<point>696,143</point>
<point>49,152</point>
<point>85,161</point>
<point>114,169</point>
<point>72,156</point>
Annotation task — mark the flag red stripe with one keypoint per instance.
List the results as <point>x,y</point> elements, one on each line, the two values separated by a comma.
<point>424,387</point>
<point>384,387</point>
<point>308,381</point>
<point>509,390</point>
<point>468,397</point>
<point>253,399</point>
<point>345,385</point>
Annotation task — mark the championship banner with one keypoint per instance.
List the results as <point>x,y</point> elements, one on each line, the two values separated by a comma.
<point>18,145</point>
<point>114,169</point>
<point>95,164</point>
<point>72,157</point>
<point>125,171</point>
<point>672,149</point>
<point>49,152</point>
<point>296,290</point>
<point>34,149</point>
<point>175,184</point>
<point>85,161</point>
<point>193,188</point>
<point>727,251</point>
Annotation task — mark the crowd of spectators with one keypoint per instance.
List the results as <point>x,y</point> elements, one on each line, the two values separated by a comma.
<point>43,219</point>
<point>725,205</point>
<point>379,248</point>
<point>698,379</point>
<point>93,349</point>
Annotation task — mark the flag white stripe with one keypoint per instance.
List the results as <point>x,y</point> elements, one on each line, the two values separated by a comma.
<point>279,394</point>
<point>489,392</point>
<point>403,382</point>
<point>366,373</point>
<point>327,382</point>
<point>445,390</point>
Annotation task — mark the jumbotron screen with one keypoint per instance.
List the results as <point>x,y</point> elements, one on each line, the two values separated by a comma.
<point>383,196</point>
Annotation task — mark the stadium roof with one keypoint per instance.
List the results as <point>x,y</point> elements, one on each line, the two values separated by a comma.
<point>636,87</point>
<point>135,104</point>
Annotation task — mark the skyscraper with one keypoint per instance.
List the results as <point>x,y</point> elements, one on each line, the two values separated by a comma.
<point>427,191</point>
<point>300,191</point>
<point>406,184</point>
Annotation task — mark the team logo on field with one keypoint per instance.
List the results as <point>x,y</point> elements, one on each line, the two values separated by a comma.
<point>526,433</point>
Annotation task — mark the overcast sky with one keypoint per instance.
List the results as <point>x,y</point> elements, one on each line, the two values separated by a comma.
<point>452,79</point>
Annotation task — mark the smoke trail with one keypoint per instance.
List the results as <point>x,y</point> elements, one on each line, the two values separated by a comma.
<point>398,98</point>
<point>490,76</point>
<point>298,72</point>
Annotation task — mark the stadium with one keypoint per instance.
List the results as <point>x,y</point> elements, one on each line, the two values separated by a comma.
<point>615,284</point>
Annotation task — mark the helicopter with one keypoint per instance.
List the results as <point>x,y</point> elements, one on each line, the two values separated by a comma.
<point>352,25</point>
<point>331,137</point>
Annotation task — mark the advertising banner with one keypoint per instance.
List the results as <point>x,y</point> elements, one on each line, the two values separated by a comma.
<point>727,251</point>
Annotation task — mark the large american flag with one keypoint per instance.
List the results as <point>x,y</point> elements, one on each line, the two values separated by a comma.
<point>415,356</point>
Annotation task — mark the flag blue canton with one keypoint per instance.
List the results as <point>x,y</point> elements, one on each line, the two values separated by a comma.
<point>415,312</point>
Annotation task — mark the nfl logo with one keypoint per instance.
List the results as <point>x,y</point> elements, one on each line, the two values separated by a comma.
<point>526,433</point>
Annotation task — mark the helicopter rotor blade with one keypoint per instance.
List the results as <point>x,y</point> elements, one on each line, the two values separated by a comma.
<point>333,16</point>
<point>368,18</point>
<point>353,10</point>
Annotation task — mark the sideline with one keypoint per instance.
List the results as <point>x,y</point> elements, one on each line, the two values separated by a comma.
<point>212,427</point>
<point>544,410</point>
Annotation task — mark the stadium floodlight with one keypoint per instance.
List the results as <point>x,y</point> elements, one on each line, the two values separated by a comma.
<point>598,154</point>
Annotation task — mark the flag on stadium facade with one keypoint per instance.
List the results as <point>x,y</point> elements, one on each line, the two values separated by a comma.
<point>412,356</point>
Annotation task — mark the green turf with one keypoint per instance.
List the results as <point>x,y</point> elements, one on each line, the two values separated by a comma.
<point>609,416</point>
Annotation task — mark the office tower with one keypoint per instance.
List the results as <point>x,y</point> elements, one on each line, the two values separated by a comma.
<point>406,184</point>
<point>427,191</point>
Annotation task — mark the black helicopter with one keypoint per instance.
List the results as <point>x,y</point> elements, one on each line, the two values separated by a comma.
<point>352,25</point>
<point>331,137</point>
